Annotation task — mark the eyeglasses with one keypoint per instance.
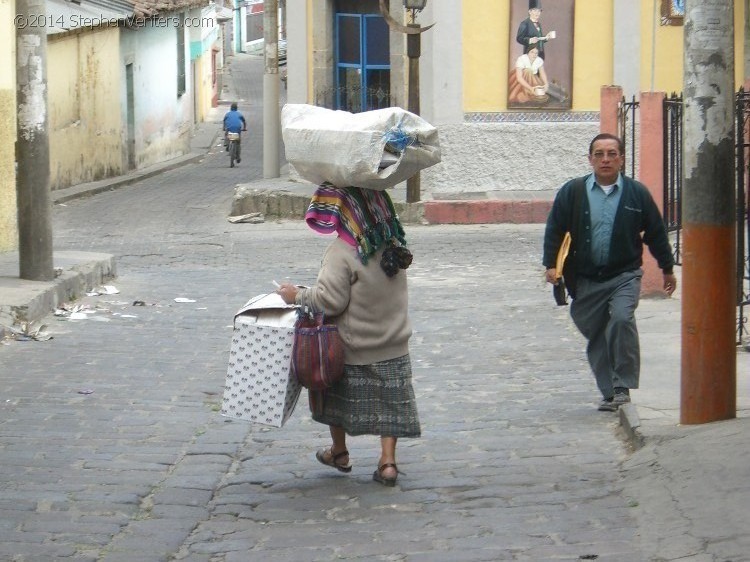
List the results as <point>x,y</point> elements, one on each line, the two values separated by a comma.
<point>611,154</point>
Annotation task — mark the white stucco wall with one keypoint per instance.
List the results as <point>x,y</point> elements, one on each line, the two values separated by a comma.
<point>163,120</point>
<point>508,157</point>
<point>296,54</point>
<point>440,66</point>
<point>628,37</point>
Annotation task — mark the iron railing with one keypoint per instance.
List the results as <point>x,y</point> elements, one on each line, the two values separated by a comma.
<point>673,109</point>
<point>672,203</point>
<point>626,117</point>
<point>352,99</point>
<point>743,212</point>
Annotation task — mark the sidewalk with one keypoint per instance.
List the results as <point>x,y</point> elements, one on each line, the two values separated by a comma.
<point>23,301</point>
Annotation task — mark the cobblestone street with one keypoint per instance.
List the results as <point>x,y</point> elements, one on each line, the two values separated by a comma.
<point>515,463</point>
<point>112,447</point>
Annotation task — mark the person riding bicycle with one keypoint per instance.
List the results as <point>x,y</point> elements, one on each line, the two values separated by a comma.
<point>234,122</point>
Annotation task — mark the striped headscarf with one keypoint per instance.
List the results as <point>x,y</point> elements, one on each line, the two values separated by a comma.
<point>363,218</point>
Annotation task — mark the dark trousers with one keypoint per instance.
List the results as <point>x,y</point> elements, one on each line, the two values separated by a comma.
<point>604,312</point>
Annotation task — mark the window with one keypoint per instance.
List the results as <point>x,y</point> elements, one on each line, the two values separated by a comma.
<point>363,71</point>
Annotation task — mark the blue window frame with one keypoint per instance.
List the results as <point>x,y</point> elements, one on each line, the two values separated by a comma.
<point>363,70</point>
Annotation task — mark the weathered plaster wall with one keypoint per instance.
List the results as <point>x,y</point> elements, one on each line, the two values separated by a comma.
<point>163,119</point>
<point>203,31</point>
<point>507,157</point>
<point>85,127</point>
<point>8,216</point>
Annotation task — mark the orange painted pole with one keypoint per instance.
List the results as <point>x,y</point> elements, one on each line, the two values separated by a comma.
<point>709,363</point>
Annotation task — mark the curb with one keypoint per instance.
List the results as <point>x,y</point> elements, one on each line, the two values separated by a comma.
<point>630,423</point>
<point>30,301</point>
<point>287,204</point>
<point>94,188</point>
<point>495,211</point>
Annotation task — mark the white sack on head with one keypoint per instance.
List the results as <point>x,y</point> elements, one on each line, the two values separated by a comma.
<point>375,149</point>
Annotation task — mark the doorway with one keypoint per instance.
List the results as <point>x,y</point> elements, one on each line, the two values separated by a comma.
<point>362,55</point>
<point>130,116</point>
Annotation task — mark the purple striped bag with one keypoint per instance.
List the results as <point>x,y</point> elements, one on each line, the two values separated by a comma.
<point>318,352</point>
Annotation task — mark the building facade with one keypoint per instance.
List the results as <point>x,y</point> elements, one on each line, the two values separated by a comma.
<point>8,215</point>
<point>492,137</point>
<point>127,82</point>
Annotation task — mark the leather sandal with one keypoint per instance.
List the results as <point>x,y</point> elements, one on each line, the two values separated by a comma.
<point>321,456</point>
<point>385,481</point>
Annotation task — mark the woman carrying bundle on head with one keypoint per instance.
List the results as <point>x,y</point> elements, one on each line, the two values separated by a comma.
<point>362,289</point>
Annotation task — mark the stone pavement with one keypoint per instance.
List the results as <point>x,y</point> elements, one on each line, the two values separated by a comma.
<point>111,446</point>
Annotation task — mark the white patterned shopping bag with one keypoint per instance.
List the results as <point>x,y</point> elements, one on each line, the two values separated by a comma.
<point>260,386</point>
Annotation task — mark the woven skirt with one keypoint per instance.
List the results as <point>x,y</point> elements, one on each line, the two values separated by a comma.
<point>375,399</point>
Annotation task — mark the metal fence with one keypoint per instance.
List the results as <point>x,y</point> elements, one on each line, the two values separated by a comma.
<point>672,202</point>
<point>626,117</point>
<point>353,99</point>
<point>672,115</point>
<point>743,212</point>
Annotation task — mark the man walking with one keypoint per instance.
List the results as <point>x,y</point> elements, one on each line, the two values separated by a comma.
<point>609,216</point>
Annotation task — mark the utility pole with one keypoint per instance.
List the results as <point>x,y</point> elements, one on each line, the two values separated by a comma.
<point>709,364</point>
<point>271,117</point>
<point>32,145</point>
<point>413,52</point>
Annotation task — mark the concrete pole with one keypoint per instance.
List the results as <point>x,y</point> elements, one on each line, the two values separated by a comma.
<point>32,145</point>
<point>709,365</point>
<point>271,116</point>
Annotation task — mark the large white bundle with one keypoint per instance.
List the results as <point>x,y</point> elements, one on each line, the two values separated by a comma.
<point>375,149</point>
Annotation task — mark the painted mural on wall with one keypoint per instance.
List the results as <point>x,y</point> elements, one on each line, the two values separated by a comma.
<point>541,54</point>
<point>672,12</point>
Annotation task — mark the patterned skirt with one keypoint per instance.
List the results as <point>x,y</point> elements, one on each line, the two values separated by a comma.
<point>375,399</point>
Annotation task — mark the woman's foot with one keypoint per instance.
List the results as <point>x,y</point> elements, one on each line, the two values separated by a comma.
<point>339,460</point>
<point>386,474</point>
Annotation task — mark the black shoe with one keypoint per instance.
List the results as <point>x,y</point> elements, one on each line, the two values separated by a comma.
<point>608,405</point>
<point>239,160</point>
<point>622,396</point>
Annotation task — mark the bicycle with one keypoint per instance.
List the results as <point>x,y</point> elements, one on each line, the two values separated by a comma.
<point>233,140</point>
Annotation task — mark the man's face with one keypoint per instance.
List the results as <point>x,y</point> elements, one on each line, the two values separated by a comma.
<point>534,14</point>
<point>606,159</point>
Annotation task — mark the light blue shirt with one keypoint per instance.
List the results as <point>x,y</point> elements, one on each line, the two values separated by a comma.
<point>603,208</point>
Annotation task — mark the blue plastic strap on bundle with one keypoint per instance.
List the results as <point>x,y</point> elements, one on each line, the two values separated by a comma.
<point>398,140</point>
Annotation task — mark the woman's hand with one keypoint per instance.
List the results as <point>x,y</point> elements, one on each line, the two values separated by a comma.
<point>288,292</point>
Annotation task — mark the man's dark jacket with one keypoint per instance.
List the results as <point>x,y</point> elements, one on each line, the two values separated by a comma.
<point>637,220</point>
<point>526,29</point>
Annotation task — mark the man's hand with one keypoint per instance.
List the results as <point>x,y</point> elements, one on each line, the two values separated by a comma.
<point>670,283</point>
<point>551,275</point>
